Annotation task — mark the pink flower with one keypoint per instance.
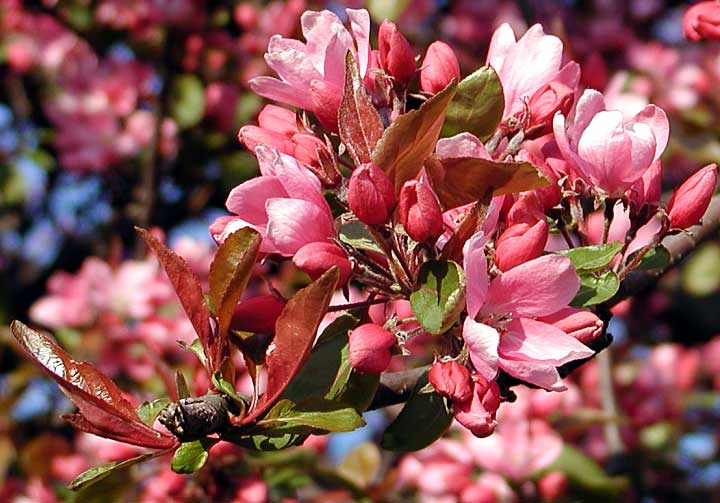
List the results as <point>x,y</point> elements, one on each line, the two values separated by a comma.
<point>419,212</point>
<point>438,68</point>
<point>396,54</point>
<point>689,202</point>
<point>702,20</point>
<point>370,194</point>
<point>520,243</point>
<point>525,65</point>
<point>369,348</point>
<point>316,258</point>
<point>609,153</point>
<point>507,334</point>
<point>285,205</point>
<point>452,380</point>
<point>478,413</point>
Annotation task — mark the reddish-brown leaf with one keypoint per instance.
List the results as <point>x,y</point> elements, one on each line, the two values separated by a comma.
<point>359,122</point>
<point>188,290</point>
<point>470,225</point>
<point>294,336</point>
<point>103,409</point>
<point>411,139</point>
<point>463,180</point>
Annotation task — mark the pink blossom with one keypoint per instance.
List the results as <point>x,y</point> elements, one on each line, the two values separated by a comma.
<point>285,205</point>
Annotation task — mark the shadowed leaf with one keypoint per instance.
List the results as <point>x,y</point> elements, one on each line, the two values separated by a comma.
<point>98,473</point>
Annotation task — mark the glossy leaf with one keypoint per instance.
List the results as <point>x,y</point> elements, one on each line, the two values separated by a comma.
<point>98,473</point>
<point>295,332</point>
<point>656,258</point>
<point>315,413</point>
<point>358,121</point>
<point>411,139</point>
<point>596,288</point>
<point>187,100</point>
<point>440,297</point>
<point>148,411</point>
<point>187,287</point>
<point>191,456</point>
<point>477,106</point>
<point>592,258</point>
<point>357,235</point>
<point>229,273</point>
<point>422,421</point>
<point>463,180</point>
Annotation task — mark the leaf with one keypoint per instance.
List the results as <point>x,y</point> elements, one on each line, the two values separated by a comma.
<point>472,223</point>
<point>595,289</point>
<point>422,421</point>
<point>295,332</point>
<point>441,295</point>
<point>656,258</point>
<point>187,287</point>
<point>361,465</point>
<point>356,234</point>
<point>191,456</point>
<point>103,409</point>
<point>585,473</point>
<point>477,106</point>
<point>358,121</point>
<point>592,258</point>
<point>382,9</point>
<point>411,139</point>
<point>225,387</point>
<point>148,411</point>
<point>320,414</point>
<point>700,276</point>
<point>98,473</point>
<point>463,180</point>
<point>197,349</point>
<point>187,100</point>
<point>183,390</point>
<point>229,274</point>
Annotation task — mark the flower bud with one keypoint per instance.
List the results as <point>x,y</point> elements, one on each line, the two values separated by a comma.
<point>316,258</point>
<point>306,148</point>
<point>325,97</point>
<point>452,380</point>
<point>396,54</point>
<point>376,83</point>
<point>370,194</point>
<point>278,119</point>
<point>370,348</point>
<point>257,314</point>
<point>520,243</point>
<point>584,325</point>
<point>419,212</point>
<point>478,413</point>
<point>702,21</point>
<point>551,98</point>
<point>438,68</point>
<point>689,202</point>
<point>552,486</point>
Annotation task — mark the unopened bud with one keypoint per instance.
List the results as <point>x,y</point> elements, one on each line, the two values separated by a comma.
<point>316,258</point>
<point>396,54</point>
<point>419,212</point>
<point>370,348</point>
<point>306,148</point>
<point>370,194</point>
<point>520,243</point>
<point>478,413</point>
<point>551,98</point>
<point>257,314</point>
<point>452,380</point>
<point>326,97</point>
<point>438,68</point>
<point>278,119</point>
<point>702,21</point>
<point>581,324</point>
<point>689,202</point>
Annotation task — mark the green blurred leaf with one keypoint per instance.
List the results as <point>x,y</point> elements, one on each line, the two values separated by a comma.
<point>477,106</point>
<point>384,9</point>
<point>361,465</point>
<point>187,100</point>
<point>594,257</point>
<point>441,295</point>
<point>191,456</point>
<point>701,274</point>
<point>596,288</point>
<point>584,473</point>
<point>99,473</point>
<point>148,411</point>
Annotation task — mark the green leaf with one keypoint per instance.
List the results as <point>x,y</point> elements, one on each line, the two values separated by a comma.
<point>225,387</point>
<point>187,100</point>
<point>382,9</point>
<point>441,295</point>
<point>592,258</point>
<point>422,421</point>
<point>98,473</point>
<point>700,276</point>
<point>355,234</point>
<point>197,349</point>
<point>410,140</point>
<point>463,180</point>
<point>148,411</point>
<point>656,258</point>
<point>315,413</point>
<point>583,472</point>
<point>477,106</point>
<point>229,273</point>
<point>191,456</point>
<point>596,288</point>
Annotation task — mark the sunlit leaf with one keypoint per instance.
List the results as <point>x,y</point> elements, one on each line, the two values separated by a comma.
<point>596,288</point>
<point>594,257</point>
<point>477,106</point>
<point>440,298</point>
<point>361,465</point>
<point>148,411</point>
<point>191,456</point>
<point>320,414</point>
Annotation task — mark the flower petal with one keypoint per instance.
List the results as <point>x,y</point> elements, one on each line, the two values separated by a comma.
<point>247,200</point>
<point>475,265</point>
<point>293,223</point>
<point>533,340</point>
<point>482,343</point>
<point>277,90</point>
<point>545,376</point>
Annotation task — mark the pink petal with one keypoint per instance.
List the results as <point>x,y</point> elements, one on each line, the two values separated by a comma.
<point>277,90</point>
<point>536,288</point>
<point>334,55</point>
<point>545,376</point>
<point>644,235</point>
<point>360,26</point>
<point>298,181</point>
<point>533,340</point>
<point>293,223</point>
<point>461,145</point>
<point>482,343</point>
<point>289,59</point>
<point>656,119</point>
<point>569,75</point>
<point>590,103</point>
<point>319,28</point>
<point>247,200</point>
<point>475,265</point>
<point>502,41</point>
<point>563,140</point>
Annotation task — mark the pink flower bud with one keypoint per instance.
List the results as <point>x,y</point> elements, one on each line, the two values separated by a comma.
<point>438,68</point>
<point>584,325</point>
<point>370,194</point>
<point>552,486</point>
<point>396,54</point>
<point>370,348</point>
<point>702,20</point>
<point>252,136</point>
<point>316,258</point>
<point>551,98</point>
<point>689,202</point>
<point>257,314</point>
<point>278,119</point>
<point>306,147</point>
<point>325,97</point>
<point>419,212</point>
<point>478,413</point>
<point>452,380</point>
<point>520,243</point>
